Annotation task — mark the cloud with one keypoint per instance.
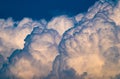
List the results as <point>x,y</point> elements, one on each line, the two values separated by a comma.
<point>41,48</point>
<point>12,34</point>
<point>94,48</point>
<point>85,46</point>
<point>60,24</point>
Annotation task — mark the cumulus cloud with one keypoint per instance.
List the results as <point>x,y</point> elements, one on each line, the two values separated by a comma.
<point>12,34</point>
<point>94,48</point>
<point>60,24</point>
<point>86,46</point>
<point>41,47</point>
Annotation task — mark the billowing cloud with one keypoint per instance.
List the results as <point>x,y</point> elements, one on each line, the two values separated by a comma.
<point>12,34</point>
<point>60,24</point>
<point>42,48</point>
<point>94,48</point>
<point>86,46</point>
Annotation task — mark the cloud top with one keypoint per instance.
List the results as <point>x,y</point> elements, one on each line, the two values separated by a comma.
<point>86,46</point>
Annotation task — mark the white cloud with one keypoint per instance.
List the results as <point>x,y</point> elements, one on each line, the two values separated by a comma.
<point>12,34</point>
<point>42,46</point>
<point>60,24</point>
<point>94,47</point>
<point>87,48</point>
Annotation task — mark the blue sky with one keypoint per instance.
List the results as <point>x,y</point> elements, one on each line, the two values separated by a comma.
<point>37,9</point>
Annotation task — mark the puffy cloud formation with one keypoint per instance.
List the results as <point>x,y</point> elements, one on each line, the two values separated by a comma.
<point>42,49</point>
<point>86,46</point>
<point>12,34</point>
<point>93,45</point>
<point>37,53</point>
<point>60,24</point>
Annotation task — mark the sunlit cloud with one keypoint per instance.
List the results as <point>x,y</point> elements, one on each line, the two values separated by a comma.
<point>85,46</point>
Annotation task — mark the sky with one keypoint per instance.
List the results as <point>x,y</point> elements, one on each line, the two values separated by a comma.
<point>67,39</point>
<point>37,9</point>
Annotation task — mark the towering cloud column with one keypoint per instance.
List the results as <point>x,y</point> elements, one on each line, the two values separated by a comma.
<point>92,49</point>
<point>86,46</point>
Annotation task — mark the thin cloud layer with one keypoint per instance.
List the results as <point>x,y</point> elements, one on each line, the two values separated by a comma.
<point>86,46</point>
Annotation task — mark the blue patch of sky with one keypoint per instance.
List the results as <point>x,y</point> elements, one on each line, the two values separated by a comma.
<point>38,9</point>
